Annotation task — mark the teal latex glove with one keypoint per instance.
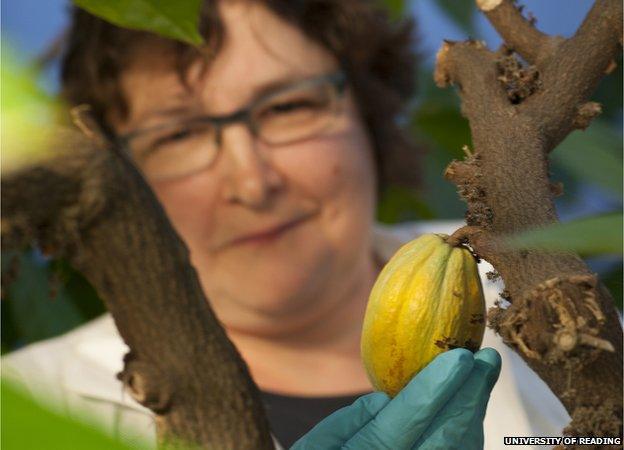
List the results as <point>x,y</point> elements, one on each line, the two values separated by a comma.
<point>442,407</point>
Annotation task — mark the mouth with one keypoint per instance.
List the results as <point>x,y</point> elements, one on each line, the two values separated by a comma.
<point>267,235</point>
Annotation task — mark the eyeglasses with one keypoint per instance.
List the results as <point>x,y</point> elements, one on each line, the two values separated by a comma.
<point>293,113</point>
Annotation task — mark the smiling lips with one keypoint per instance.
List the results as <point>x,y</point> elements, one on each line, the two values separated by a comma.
<point>266,235</point>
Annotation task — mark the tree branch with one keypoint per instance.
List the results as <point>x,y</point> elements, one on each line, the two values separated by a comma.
<point>572,73</point>
<point>517,32</point>
<point>562,321</point>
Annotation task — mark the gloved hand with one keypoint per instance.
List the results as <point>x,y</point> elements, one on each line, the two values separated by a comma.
<point>442,407</point>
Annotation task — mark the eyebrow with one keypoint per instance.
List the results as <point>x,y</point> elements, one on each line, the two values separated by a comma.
<point>259,91</point>
<point>269,87</point>
<point>167,112</point>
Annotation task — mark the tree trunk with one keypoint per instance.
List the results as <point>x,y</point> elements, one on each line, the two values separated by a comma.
<point>562,321</point>
<point>93,208</point>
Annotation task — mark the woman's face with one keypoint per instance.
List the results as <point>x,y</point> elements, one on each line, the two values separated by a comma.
<point>271,229</point>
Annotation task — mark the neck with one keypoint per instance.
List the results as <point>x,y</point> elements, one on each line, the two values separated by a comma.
<point>319,351</point>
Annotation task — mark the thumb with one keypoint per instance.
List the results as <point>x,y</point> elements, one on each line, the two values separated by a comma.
<point>337,428</point>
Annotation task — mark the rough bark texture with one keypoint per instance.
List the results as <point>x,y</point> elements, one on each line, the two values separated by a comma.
<point>561,320</point>
<point>93,208</point>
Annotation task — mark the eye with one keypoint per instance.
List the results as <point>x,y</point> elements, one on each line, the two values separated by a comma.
<point>290,106</point>
<point>164,141</point>
<point>174,136</point>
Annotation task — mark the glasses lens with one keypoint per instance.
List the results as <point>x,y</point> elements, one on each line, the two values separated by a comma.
<point>174,150</point>
<point>295,114</point>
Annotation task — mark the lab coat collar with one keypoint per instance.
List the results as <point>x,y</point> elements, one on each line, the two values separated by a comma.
<point>98,357</point>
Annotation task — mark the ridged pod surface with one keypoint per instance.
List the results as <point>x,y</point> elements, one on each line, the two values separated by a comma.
<point>426,300</point>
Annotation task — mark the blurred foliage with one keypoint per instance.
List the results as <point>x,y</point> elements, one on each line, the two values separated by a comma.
<point>42,299</point>
<point>399,204</point>
<point>593,156</point>
<point>396,8</point>
<point>27,112</point>
<point>612,279</point>
<point>177,20</point>
<point>438,123</point>
<point>460,12</point>
<point>609,94</point>
<point>31,310</point>
<point>596,235</point>
<point>31,426</point>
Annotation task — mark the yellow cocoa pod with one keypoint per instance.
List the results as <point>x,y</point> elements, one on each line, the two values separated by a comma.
<point>426,300</point>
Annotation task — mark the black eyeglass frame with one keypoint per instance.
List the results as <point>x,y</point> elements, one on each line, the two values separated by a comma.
<point>244,115</point>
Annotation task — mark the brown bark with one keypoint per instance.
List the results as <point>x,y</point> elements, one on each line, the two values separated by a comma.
<point>93,208</point>
<point>561,321</point>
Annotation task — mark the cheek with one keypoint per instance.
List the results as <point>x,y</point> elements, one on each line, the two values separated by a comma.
<point>334,168</point>
<point>188,204</point>
<point>350,205</point>
<point>338,171</point>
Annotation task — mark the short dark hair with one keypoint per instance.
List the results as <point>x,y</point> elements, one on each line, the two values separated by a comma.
<point>376,53</point>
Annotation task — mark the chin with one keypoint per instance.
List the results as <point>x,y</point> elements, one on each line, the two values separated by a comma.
<point>291,288</point>
<point>276,287</point>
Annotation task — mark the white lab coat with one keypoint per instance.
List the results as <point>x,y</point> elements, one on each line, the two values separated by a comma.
<point>76,372</point>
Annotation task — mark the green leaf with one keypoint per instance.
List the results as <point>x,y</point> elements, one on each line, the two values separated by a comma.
<point>445,127</point>
<point>35,312</point>
<point>173,19</point>
<point>440,195</point>
<point>461,12</point>
<point>398,204</point>
<point>439,124</point>
<point>77,289</point>
<point>593,156</point>
<point>31,311</point>
<point>27,425</point>
<point>28,113</point>
<point>609,94</point>
<point>595,235</point>
<point>396,8</point>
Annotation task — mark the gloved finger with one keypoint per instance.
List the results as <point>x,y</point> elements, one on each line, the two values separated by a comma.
<point>337,428</point>
<point>408,415</point>
<point>459,424</point>
<point>475,431</point>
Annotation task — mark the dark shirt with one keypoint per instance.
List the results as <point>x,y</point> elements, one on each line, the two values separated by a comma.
<point>292,417</point>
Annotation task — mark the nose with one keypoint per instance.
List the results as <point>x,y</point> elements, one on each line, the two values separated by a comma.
<point>250,178</point>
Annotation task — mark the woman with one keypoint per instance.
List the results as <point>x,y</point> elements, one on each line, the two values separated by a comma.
<point>267,148</point>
